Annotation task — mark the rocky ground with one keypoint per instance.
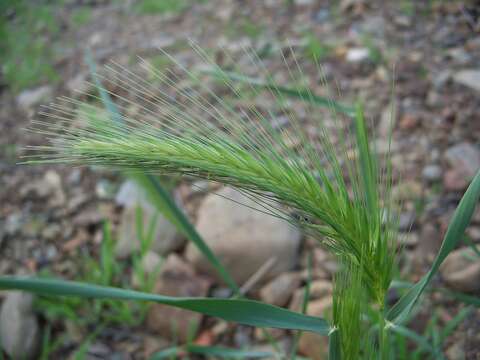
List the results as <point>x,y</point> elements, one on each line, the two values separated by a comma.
<point>51,216</point>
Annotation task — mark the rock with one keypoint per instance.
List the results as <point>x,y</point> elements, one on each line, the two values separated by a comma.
<point>465,155</point>
<point>13,224</point>
<point>19,330</point>
<point>304,2</point>
<point>280,289</point>
<point>165,237</point>
<point>49,187</point>
<point>473,233</point>
<point>457,350</point>
<point>313,345</point>
<point>408,190</point>
<point>464,161</point>
<point>104,189</point>
<point>469,78</point>
<point>357,55</point>
<point>432,173</point>
<point>409,121</point>
<point>441,79</point>
<point>28,99</point>
<point>52,231</point>
<point>177,278</point>
<point>406,220</point>
<point>319,290</point>
<point>461,270</point>
<point>454,181</point>
<point>244,239</point>
<point>429,242</point>
<point>78,85</point>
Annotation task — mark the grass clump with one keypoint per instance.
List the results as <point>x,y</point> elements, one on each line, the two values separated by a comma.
<point>305,186</point>
<point>330,183</point>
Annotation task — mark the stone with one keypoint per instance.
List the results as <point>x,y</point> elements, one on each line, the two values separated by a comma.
<point>429,242</point>
<point>461,270</point>
<point>313,345</point>
<point>319,290</point>
<point>28,99</point>
<point>406,220</point>
<point>473,232</point>
<point>408,190</point>
<point>432,173</point>
<point>357,55</point>
<point>464,162</point>
<point>13,224</point>
<point>19,329</point>
<point>464,155</point>
<point>78,85</point>
<point>454,180</point>
<point>409,121</point>
<point>441,79</point>
<point>469,78</point>
<point>49,187</point>
<point>280,289</point>
<point>177,278</point>
<point>165,237</point>
<point>244,239</point>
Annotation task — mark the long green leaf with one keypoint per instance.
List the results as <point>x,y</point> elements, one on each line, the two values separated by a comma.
<point>420,340</point>
<point>455,231</point>
<point>334,346</point>
<point>298,93</point>
<point>217,351</point>
<point>247,312</point>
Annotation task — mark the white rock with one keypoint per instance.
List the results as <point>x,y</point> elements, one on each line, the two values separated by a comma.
<point>19,330</point>
<point>165,236</point>
<point>469,78</point>
<point>356,55</point>
<point>244,239</point>
<point>28,99</point>
<point>432,173</point>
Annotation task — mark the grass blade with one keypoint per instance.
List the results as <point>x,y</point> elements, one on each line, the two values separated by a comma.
<point>334,352</point>
<point>216,351</point>
<point>106,100</point>
<point>455,231</point>
<point>228,353</point>
<point>247,312</point>
<point>421,341</point>
<point>297,93</point>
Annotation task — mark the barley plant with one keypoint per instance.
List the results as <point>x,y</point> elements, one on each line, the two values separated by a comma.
<point>299,156</point>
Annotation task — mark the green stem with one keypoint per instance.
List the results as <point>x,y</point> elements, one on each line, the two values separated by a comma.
<point>383,334</point>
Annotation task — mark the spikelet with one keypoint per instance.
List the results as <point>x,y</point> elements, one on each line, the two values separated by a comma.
<point>271,142</point>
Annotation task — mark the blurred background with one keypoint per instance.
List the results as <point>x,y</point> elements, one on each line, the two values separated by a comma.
<point>419,58</point>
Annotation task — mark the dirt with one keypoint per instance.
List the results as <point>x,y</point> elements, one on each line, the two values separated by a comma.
<point>414,50</point>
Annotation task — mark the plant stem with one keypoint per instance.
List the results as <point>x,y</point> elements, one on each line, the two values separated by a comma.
<point>382,338</point>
